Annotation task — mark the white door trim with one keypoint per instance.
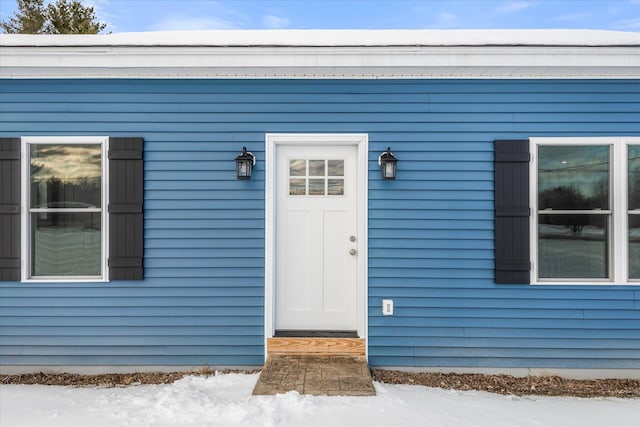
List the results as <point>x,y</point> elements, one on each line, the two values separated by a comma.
<point>272,142</point>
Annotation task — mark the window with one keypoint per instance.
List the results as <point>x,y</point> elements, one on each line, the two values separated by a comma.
<point>316,177</point>
<point>54,211</point>
<point>634,211</point>
<point>585,222</point>
<point>64,197</point>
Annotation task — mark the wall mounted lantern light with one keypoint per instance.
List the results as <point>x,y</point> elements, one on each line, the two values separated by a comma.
<point>387,161</point>
<point>244,164</point>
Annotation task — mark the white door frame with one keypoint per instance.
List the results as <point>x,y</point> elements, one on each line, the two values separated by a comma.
<point>273,141</point>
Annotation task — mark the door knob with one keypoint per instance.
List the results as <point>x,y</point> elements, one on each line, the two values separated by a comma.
<point>352,238</point>
<point>353,252</point>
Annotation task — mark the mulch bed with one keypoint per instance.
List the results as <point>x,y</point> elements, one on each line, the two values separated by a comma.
<point>109,380</point>
<point>520,386</point>
<point>502,384</point>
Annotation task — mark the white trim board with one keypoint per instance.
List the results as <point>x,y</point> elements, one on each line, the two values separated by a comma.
<point>357,54</point>
<point>361,142</point>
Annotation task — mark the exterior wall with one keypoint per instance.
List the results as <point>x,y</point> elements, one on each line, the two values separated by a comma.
<point>430,231</point>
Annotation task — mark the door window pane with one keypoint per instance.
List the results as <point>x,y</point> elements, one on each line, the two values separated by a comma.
<point>66,176</point>
<point>316,187</point>
<point>336,187</point>
<point>573,177</point>
<point>66,244</point>
<point>297,187</point>
<point>573,246</point>
<point>316,167</point>
<point>316,177</point>
<point>297,167</point>
<point>336,167</point>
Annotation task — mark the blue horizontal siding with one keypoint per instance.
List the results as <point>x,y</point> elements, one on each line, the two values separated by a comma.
<point>134,322</point>
<point>430,231</point>
<point>494,319</point>
<point>197,357</point>
<point>200,310</point>
<point>508,332</point>
<point>115,331</point>
<point>185,290</point>
<point>141,301</point>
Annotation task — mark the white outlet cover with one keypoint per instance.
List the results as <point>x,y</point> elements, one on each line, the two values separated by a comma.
<point>387,307</point>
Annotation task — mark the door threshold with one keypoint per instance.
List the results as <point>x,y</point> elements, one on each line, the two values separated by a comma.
<point>314,334</point>
<point>316,346</point>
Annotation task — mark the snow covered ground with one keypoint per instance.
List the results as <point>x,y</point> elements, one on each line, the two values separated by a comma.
<point>225,400</point>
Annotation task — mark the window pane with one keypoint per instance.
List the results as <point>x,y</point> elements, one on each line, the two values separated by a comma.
<point>336,167</point>
<point>573,177</point>
<point>66,244</point>
<point>297,167</point>
<point>316,187</point>
<point>336,187</point>
<point>316,167</point>
<point>297,187</point>
<point>66,176</point>
<point>573,246</point>
<point>634,246</point>
<point>634,177</point>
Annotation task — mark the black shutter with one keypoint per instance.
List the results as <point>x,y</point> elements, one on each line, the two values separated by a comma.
<point>511,183</point>
<point>10,209</point>
<point>125,209</point>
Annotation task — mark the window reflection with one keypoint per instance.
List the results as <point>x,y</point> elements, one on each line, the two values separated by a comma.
<point>634,211</point>
<point>573,177</point>
<point>316,167</point>
<point>336,167</point>
<point>634,177</point>
<point>297,167</point>
<point>634,246</point>
<point>66,244</point>
<point>336,187</point>
<point>573,246</point>
<point>65,176</point>
<point>297,187</point>
<point>316,187</point>
<point>315,177</point>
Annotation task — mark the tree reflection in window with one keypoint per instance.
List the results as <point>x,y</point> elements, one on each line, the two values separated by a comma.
<point>634,211</point>
<point>66,176</point>
<point>573,211</point>
<point>66,210</point>
<point>573,177</point>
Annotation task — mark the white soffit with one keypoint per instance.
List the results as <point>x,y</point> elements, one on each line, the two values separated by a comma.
<point>325,54</point>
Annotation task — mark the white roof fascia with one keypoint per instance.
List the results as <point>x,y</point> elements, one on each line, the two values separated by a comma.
<point>319,38</point>
<point>321,54</point>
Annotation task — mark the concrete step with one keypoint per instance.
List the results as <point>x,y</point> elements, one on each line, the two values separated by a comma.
<point>317,375</point>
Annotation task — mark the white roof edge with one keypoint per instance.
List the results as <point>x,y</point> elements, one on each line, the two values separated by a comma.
<point>336,54</point>
<point>336,38</point>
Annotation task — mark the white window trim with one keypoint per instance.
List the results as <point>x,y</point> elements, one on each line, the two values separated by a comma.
<point>618,238</point>
<point>25,232</point>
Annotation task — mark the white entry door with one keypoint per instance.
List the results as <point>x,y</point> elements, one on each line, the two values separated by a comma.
<point>316,238</point>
